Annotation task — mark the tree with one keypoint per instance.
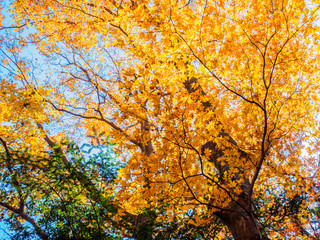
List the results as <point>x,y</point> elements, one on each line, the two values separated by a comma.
<point>61,196</point>
<point>214,105</point>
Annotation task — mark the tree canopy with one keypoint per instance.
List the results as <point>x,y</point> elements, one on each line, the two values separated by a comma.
<point>213,106</point>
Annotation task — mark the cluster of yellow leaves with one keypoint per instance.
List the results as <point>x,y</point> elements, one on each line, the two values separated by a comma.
<point>21,109</point>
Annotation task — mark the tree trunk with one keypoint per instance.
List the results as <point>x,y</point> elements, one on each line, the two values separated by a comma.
<point>243,227</point>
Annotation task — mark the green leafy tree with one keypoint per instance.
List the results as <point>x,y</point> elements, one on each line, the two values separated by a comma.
<point>61,195</point>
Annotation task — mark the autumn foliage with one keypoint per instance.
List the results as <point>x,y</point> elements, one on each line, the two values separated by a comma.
<point>213,105</point>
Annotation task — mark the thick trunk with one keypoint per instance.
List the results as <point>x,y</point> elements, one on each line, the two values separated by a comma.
<point>243,227</point>
<point>241,222</point>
